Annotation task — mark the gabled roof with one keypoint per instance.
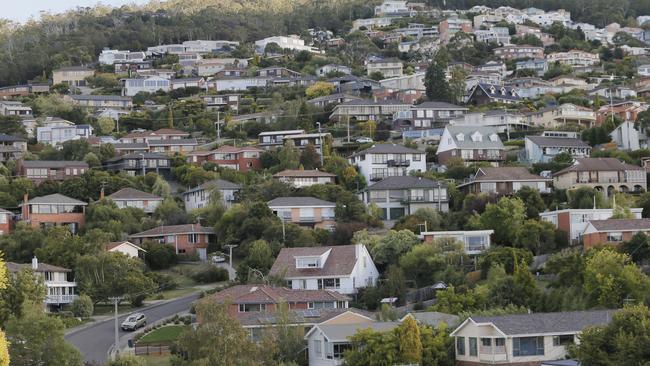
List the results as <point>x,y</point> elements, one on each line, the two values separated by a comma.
<point>388,149</point>
<point>303,173</point>
<point>370,102</point>
<point>133,194</point>
<point>468,131</point>
<point>299,202</point>
<point>216,183</point>
<point>169,142</point>
<point>112,245</point>
<point>544,323</point>
<point>404,182</point>
<point>299,316</point>
<point>342,332</point>
<point>263,294</point>
<point>634,225</point>
<point>42,267</point>
<point>557,141</point>
<point>174,230</point>
<point>56,198</point>
<point>340,261</point>
<point>598,164</point>
<point>487,89</point>
<point>507,174</point>
<point>440,105</point>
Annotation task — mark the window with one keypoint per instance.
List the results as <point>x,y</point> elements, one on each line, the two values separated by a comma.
<point>417,157</point>
<point>245,308</point>
<point>562,340</point>
<point>193,238</point>
<point>486,342</point>
<point>528,346</point>
<point>615,237</point>
<point>500,342</point>
<point>473,350</point>
<point>339,349</point>
<point>313,262</point>
<point>329,283</point>
<point>460,346</point>
<point>318,350</point>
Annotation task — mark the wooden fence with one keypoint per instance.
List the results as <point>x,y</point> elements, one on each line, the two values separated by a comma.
<point>151,349</point>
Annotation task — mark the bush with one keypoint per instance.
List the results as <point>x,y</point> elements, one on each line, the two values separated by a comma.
<point>127,360</point>
<point>210,273</point>
<point>163,281</point>
<point>159,256</point>
<point>82,307</point>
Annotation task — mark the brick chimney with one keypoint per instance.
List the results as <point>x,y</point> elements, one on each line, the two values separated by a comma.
<point>25,210</point>
<point>35,263</point>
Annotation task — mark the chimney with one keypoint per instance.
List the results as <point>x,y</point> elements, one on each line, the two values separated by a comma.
<point>35,263</point>
<point>101,193</point>
<point>25,209</point>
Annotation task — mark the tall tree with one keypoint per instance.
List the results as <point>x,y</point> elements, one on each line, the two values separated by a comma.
<point>436,84</point>
<point>410,345</point>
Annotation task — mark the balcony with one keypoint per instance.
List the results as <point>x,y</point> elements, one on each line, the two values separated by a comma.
<point>377,177</point>
<point>394,163</point>
<point>307,219</point>
<point>60,299</point>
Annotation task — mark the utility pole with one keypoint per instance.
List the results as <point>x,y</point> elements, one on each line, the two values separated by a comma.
<point>218,124</point>
<point>230,247</point>
<point>116,300</point>
<point>320,137</point>
<point>144,171</point>
<point>348,120</point>
<point>611,97</point>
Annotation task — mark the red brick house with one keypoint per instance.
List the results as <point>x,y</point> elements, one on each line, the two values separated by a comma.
<point>187,239</point>
<point>54,210</point>
<point>39,171</point>
<point>239,158</point>
<point>613,231</point>
<point>6,221</point>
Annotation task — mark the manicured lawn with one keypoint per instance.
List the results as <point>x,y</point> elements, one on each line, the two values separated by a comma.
<point>164,334</point>
<point>156,360</point>
<point>186,285</point>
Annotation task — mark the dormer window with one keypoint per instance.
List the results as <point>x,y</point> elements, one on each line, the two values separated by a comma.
<point>513,93</point>
<point>494,137</point>
<point>492,90</point>
<point>477,137</point>
<point>460,137</point>
<point>503,91</point>
<point>308,262</point>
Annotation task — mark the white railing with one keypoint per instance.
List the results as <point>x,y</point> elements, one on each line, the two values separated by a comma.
<point>60,299</point>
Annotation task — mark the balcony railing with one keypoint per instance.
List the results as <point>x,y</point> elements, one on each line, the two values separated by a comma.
<point>392,163</point>
<point>377,177</point>
<point>60,299</point>
<point>422,199</point>
<point>307,219</point>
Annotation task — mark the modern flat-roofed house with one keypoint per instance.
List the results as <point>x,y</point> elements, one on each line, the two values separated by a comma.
<point>387,160</point>
<point>222,102</point>
<point>472,144</point>
<point>54,210</point>
<point>191,239</point>
<point>389,68</point>
<point>39,171</point>
<point>337,98</point>
<point>505,181</point>
<point>613,231</point>
<point>560,116</point>
<point>305,211</point>
<point>59,289</point>
<point>59,133</point>
<point>574,58</point>
<point>574,221</point>
<point>542,149</point>
<point>272,139</point>
<point>403,195</point>
<point>141,163</point>
<point>522,339</point>
<point>201,196</point>
<point>73,76</point>
<point>11,147</point>
<point>607,175</point>
<point>475,241</point>
<point>150,84</point>
<point>172,146</point>
<point>341,268</point>
<point>130,197</point>
<point>427,115</point>
<point>512,52</point>
<point>102,101</point>
<point>305,178</point>
<point>365,109</point>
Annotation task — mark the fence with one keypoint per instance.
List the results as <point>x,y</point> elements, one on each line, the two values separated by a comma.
<point>151,349</point>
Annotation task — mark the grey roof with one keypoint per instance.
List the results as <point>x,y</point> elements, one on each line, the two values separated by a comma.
<point>541,323</point>
<point>140,155</point>
<point>133,194</point>
<point>9,138</point>
<point>388,149</point>
<point>404,182</point>
<point>557,141</point>
<point>440,105</point>
<point>434,318</point>
<point>598,164</point>
<point>53,163</point>
<point>467,143</point>
<point>131,145</point>
<point>41,267</point>
<point>621,224</point>
<point>497,94</point>
<point>101,97</point>
<point>168,142</point>
<point>216,183</point>
<point>174,230</point>
<point>56,198</point>
<point>341,332</point>
<point>374,102</point>
<point>333,97</point>
<point>298,202</point>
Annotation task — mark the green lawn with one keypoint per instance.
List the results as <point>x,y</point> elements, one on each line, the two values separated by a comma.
<point>156,360</point>
<point>164,334</point>
<point>186,285</point>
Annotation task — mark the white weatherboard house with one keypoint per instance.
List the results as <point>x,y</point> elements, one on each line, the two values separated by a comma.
<point>342,268</point>
<point>59,291</point>
<point>522,339</point>
<point>385,160</point>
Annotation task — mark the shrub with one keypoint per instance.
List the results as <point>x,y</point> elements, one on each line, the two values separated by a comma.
<point>159,256</point>
<point>210,273</point>
<point>82,307</point>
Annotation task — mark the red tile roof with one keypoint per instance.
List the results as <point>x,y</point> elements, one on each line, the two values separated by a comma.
<point>340,261</point>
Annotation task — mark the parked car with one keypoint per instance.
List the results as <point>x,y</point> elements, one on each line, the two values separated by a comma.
<point>363,140</point>
<point>134,321</point>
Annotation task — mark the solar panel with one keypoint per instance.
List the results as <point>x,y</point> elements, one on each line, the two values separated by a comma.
<point>311,313</point>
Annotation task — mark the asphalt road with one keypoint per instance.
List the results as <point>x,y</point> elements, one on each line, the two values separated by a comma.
<point>95,341</point>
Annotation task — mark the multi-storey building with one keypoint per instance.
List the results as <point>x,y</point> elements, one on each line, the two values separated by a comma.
<point>74,76</point>
<point>471,144</point>
<point>188,239</point>
<point>201,195</point>
<point>59,290</point>
<point>504,181</point>
<point>544,148</point>
<point>607,175</point>
<point>243,158</point>
<point>54,210</point>
<point>513,52</point>
<point>427,115</point>
<point>39,171</point>
<point>573,222</point>
<point>305,211</point>
<point>387,160</point>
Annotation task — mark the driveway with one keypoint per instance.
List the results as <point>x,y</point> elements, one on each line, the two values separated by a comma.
<point>94,341</point>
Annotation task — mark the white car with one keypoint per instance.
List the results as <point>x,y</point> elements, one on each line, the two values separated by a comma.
<point>218,259</point>
<point>363,140</point>
<point>134,321</point>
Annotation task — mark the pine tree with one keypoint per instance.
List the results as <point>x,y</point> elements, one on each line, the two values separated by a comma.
<point>436,84</point>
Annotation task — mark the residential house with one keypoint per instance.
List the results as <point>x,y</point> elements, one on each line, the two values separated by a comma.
<point>144,136</point>
<point>364,110</point>
<point>140,164</point>
<point>513,52</point>
<point>450,26</point>
<point>433,319</point>
<point>233,83</point>
<point>498,67</point>
<point>489,93</point>
<point>505,181</point>
<point>616,92</point>
<point>24,90</point>
<point>183,83</point>
<point>172,146</point>
<point>627,111</point>
<point>59,290</point>
<point>523,30</point>
<point>354,85</point>
<point>498,35</point>
<point>427,115</point>
<point>125,247</point>
<point>613,231</point>
<point>304,178</point>
<point>522,339</point>
<point>130,197</point>
<point>243,158</point>
<point>540,66</point>
<point>277,72</point>
<point>474,242</point>
<point>574,58</point>
<point>574,221</point>
<point>6,221</point>
<point>327,343</point>
<point>13,108</point>
<point>74,76</point>
<point>643,70</point>
<point>336,98</point>
<point>607,175</point>
<point>222,102</point>
<point>304,211</point>
<point>292,42</point>
<point>414,81</point>
<point>627,137</point>
<point>39,171</point>
<point>101,101</point>
<point>389,67</point>
<point>11,147</point>
<point>60,131</point>
<point>371,23</point>
<point>127,67</point>
<point>110,57</point>
<point>471,144</point>
<point>317,140</point>
<point>341,268</point>
<point>403,195</point>
<point>201,195</point>
<point>328,69</point>
<point>270,139</point>
<point>150,84</point>
<point>502,121</point>
<point>54,210</point>
<point>188,239</point>
<point>387,160</point>
<point>562,115</point>
<point>212,66</point>
<point>392,8</point>
<point>543,149</point>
